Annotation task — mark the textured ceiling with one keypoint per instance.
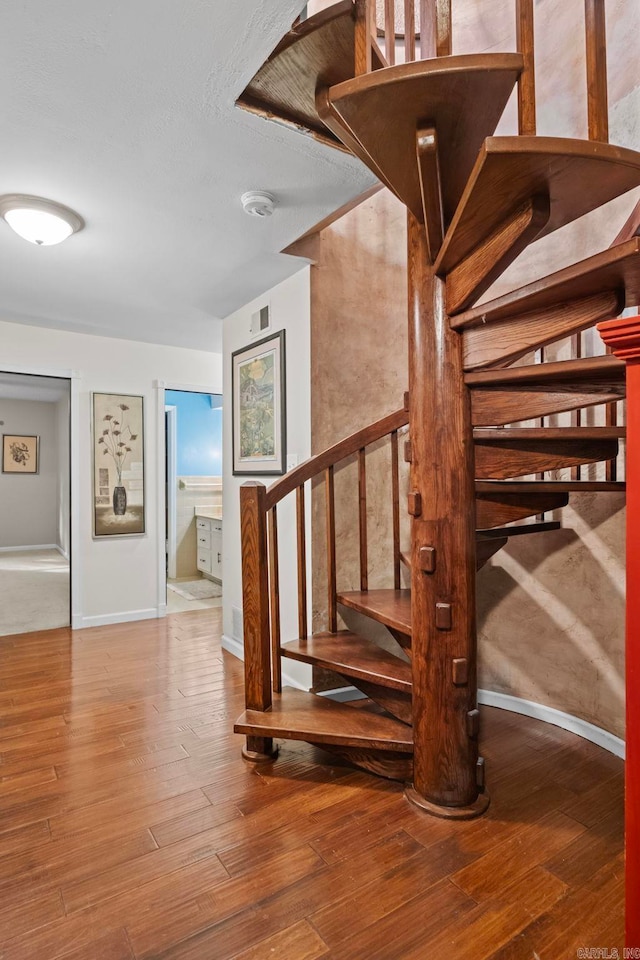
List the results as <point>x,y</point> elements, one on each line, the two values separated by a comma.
<point>125,112</point>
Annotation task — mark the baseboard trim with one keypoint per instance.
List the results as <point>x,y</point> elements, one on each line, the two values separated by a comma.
<point>33,546</point>
<point>539,711</point>
<point>63,553</point>
<point>236,649</point>
<point>104,620</point>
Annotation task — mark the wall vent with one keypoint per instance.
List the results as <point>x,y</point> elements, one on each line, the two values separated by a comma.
<point>237,624</point>
<point>260,321</point>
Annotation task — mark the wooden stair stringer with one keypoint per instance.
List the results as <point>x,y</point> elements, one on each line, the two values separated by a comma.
<point>462,97</point>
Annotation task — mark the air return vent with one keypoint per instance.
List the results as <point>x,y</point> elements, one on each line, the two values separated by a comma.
<point>260,321</point>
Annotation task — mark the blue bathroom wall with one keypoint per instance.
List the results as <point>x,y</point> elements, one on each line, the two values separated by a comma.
<point>199,430</point>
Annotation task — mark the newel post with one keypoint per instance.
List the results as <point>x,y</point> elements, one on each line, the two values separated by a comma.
<point>623,337</point>
<point>255,608</point>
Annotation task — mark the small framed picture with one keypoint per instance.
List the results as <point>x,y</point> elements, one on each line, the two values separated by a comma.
<point>258,391</point>
<point>20,454</point>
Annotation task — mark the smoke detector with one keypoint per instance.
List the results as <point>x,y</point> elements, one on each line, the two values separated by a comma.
<point>257,204</point>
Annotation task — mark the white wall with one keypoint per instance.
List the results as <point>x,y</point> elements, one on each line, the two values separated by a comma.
<point>119,579</point>
<point>29,503</point>
<point>290,304</point>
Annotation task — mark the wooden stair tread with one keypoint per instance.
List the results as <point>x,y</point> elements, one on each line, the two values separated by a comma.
<point>317,52</point>
<point>589,370</point>
<point>576,175</point>
<point>615,269</point>
<point>378,116</point>
<point>389,607</point>
<point>505,454</point>
<point>516,488</point>
<point>354,656</point>
<point>296,715</point>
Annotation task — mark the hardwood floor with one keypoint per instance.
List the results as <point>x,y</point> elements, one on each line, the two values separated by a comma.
<point>130,827</point>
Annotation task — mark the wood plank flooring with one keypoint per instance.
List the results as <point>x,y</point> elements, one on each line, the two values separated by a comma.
<point>130,827</point>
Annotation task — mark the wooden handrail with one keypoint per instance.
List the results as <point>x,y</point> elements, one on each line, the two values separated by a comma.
<point>332,455</point>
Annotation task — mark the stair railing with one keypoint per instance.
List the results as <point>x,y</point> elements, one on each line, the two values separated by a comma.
<point>261,557</point>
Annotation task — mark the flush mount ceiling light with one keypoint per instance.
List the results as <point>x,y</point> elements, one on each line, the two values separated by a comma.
<point>39,221</point>
<point>257,204</point>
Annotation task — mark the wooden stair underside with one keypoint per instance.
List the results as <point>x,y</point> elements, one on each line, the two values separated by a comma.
<point>319,51</point>
<point>502,454</point>
<point>352,656</point>
<point>528,392</point>
<point>378,115</point>
<point>576,176</point>
<point>501,331</point>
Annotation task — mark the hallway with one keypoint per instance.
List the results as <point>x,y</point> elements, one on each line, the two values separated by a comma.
<point>130,827</point>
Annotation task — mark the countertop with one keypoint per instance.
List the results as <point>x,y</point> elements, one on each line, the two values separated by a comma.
<point>208,513</point>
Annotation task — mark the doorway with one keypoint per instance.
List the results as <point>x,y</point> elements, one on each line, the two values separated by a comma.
<point>35,503</point>
<point>193,488</point>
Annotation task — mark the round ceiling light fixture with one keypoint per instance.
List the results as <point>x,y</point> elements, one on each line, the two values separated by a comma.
<point>257,203</point>
<point>39,221</point>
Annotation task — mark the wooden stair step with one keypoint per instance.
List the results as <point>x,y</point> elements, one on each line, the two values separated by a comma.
<point>501,331</point>
<point>296,715</point>
<point>501,454</point>
<point>389,607</point>
<point>353,656</point>
<point>320,51</point>
<point>576,176</point>
<point>378,116</point>
<point>515,488</point>
<point>497,507</point>
<point>529,392</point>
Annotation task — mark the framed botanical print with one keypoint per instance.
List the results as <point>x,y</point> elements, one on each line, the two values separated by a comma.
<point>20,454</point>
<point>118,465</point>
<point>258,388</point>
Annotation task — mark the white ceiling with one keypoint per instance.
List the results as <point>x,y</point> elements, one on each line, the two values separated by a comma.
<point>125,112</point>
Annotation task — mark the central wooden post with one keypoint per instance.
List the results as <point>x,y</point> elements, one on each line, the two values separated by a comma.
<point>448,779</point>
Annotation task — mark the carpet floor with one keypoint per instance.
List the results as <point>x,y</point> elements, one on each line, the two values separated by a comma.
<point>34,591</point>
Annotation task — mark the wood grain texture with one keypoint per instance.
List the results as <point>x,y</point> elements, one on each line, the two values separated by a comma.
<point>616,270</point>
<point>354,656</point>
<point>499,508</point>
<point>501,459</point>
<point>483,266</point>
<point>430,188</point>
<point>501,342</point>
<point>390,607</point>
<point>255,595</point>
<point>362,518</point>
<point>525,44</point>
<point>274,588</point>
<point>318,51</point>
<point>362,38</point>
<point>597,90</point>
<point>445,756</point>
<point>395,507</point>
<point>302,560</point>
<point>463,97</point>
<point>320,824</point>
<point>577,175</point>
<point>409,35</point>
<point>330,520</point>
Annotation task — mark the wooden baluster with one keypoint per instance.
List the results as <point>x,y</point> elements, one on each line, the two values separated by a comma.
<point>332,616</point>
<point>362,497</point>
<point>428,39</point>
<point>598,116</point>
<point>255,608</point>
<point>302,564</point>
<point>274,584</point>
<point>395,494</point>
<point>525,41</point>
<point>409,30</point>
<point>576,354</point>
<point>363,60</point>
<point>444,39</point>
<point>597,94</point>
<point>390,31</point>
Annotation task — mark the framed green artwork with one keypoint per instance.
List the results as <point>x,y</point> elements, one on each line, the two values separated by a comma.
<point>258,408</point>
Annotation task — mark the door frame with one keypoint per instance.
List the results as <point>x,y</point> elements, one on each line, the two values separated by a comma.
<point>171,459</point>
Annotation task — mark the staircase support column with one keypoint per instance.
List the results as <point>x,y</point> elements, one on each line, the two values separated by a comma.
<point>448,779</point>
<point>623,338</point>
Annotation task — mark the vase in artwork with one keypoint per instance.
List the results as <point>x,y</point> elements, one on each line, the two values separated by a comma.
<point>119,501</point>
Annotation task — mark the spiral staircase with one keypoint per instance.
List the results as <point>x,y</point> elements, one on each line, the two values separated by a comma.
<point>478,447</point>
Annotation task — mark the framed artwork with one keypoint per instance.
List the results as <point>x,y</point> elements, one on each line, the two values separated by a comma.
<point>118,465</point>
<point>20,454</point>
<point>258,390</point>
